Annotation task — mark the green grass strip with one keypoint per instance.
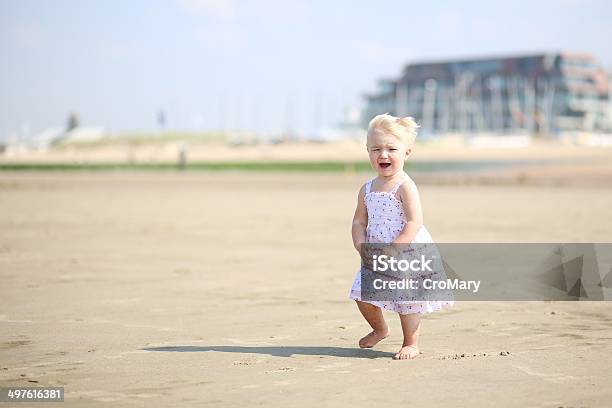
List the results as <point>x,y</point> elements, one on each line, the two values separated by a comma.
<point>322,166</point>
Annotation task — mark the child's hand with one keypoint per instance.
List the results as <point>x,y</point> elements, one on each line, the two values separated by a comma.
<point>391,251</point>
<point>367,254</point>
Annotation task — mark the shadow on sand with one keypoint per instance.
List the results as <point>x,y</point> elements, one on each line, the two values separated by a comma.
<point>281,351</point>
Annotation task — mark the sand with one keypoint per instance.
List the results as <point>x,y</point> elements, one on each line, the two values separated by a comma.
<point>230,289</point>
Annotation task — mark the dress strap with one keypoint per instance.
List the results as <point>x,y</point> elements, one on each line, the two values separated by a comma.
<point>369,186</point>
<point>396,187</point>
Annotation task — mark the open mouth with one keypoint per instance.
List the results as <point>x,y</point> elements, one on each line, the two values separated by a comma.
<point>384,165</point>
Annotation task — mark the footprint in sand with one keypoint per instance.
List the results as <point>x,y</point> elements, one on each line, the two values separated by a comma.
<point>281,370</point>
<point>460,356</point>
<point>13,344</point>
<point>248,362</point>
<point>324,367</point>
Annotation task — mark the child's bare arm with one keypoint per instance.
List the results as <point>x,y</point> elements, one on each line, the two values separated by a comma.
<point>360,221</point>
<point>411,204</point>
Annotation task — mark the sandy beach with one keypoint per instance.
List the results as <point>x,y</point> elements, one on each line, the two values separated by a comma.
<point>231,289</point>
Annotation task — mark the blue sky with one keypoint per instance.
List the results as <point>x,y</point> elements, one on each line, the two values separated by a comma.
<point>268,65</point>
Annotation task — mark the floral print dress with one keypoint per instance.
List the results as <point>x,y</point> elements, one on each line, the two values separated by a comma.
<point>386,219</point>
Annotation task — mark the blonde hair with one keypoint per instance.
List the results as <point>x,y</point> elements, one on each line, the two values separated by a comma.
<point>405,129</point>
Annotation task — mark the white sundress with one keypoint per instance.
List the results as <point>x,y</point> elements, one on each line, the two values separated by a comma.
<point>386,219</point>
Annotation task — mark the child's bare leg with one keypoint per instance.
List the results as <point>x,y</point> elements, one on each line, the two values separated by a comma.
<point>375,318</point>
<point>411,323</point>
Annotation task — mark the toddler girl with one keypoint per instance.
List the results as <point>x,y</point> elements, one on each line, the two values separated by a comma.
<point>389,211</point>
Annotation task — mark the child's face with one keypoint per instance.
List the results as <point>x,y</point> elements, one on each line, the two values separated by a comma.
<point>387,153</point>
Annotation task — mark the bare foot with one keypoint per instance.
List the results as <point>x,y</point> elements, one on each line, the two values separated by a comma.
<point>371,339</point>
<point>407,353</point>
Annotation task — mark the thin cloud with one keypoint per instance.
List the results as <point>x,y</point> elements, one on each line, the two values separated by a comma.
<point>117,51</point>
<point>220,37</point>
<point>371,51</point>
<point>28,34</point>
<point>217,9</point>
<point>220,31</point>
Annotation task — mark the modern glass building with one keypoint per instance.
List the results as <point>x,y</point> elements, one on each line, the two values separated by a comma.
<point>538,94</point>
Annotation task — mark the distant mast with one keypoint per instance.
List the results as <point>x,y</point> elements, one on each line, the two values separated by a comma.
<point>429,101</point>
<point>161,120</point>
